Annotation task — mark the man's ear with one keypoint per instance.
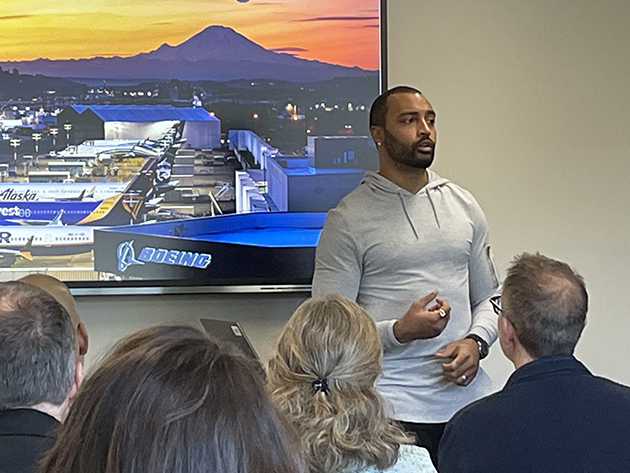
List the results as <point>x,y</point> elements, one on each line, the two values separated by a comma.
<point>378,134</point>
<point>78,380</point>
<point>82,337</point>
<point>507,336</point>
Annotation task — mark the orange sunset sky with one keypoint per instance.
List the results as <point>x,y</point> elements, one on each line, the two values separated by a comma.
<point>336,31</point>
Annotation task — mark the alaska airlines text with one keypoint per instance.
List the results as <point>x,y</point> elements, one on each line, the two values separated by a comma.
<point>10,194</point>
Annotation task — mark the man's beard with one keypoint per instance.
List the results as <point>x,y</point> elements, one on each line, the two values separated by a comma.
<point>408,154</point>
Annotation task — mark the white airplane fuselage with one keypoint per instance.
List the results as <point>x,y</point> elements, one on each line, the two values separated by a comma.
<point>26,191</point>
<point>48,240</point>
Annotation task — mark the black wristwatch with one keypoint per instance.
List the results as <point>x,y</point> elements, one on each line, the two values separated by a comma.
<point>482,344</point>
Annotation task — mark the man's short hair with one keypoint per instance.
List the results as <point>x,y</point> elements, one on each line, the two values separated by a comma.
<point>379,106</point>
<point>37,347</point>
<point>546,302</point>
<point>57,289</point>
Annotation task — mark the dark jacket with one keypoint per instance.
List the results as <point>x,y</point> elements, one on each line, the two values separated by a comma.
<point>552,415</point>
<point>25,435</point>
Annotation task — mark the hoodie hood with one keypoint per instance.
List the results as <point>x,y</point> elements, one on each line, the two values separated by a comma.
<point>378,183</point>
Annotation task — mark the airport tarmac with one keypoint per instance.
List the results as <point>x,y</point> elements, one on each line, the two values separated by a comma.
<point>79,267</point>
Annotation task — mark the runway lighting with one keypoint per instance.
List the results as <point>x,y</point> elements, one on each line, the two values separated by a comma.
<point>15,142</point>
<point>36,137</point>
<point>54,132</point>
<point>67,127</point>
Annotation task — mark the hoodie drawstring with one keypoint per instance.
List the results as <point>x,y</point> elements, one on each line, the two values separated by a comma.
<point>413,227</point>
<point>437,220</point>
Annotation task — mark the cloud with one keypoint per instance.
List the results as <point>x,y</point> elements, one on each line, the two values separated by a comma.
<point>15,17</point>
<point>289,49</point>
<point>338,18</point>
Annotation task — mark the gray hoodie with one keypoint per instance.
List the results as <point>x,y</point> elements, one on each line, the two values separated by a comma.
<point>385,247</point>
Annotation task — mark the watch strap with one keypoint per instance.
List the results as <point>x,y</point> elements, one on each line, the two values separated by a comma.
<point>483,346</point>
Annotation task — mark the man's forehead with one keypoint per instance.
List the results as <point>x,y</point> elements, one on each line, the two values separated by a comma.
<point>407,102</point>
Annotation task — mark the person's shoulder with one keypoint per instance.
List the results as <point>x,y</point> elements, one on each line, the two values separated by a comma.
<point>351,209</point>
<point>356,197</point>
<point>464,196</point>
<point>462,193</point>
<point>412,458</point>
<point>614,391</point>
<point>477,411</point>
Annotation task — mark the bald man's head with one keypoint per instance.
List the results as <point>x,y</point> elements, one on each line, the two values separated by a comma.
<point>61,293</point>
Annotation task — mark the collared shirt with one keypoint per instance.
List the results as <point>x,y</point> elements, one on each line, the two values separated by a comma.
<point>25,435</point>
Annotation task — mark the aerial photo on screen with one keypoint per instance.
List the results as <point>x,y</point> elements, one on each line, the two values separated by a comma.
<point>180,142</point>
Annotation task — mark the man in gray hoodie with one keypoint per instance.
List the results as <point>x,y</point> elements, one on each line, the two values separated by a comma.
<point>403,236</point>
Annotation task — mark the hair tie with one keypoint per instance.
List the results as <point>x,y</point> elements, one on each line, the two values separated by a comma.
<point>320,385</point>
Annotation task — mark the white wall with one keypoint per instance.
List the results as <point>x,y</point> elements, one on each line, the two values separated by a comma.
<point>108,318</point>
<point>533,103</point>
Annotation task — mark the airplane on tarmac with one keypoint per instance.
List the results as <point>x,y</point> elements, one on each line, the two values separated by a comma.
<point>17,211</point>
<point>27,242</point>
<point>126,207</point>
<point>140,195</point>
<point>129,206</point>
<point>48,191</point>
<point>9,256</point>
<point>71,191</point>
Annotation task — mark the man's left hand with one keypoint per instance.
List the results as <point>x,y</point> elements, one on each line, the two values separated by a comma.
<point>463,361</point>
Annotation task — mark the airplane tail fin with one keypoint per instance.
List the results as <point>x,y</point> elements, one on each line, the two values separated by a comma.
<point>129,206</point>
<point>25,251</point>
<point>179,131</point>
<point>57,219</point>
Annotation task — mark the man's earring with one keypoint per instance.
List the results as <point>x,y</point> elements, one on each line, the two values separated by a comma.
<point>378,143</point>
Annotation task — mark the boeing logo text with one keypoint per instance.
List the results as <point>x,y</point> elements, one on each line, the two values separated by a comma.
<point>127,257</point>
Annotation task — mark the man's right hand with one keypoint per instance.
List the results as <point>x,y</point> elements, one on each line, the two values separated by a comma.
<point>420,322</point>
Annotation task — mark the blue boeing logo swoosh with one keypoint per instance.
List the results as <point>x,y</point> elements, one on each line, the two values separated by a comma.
<point>126,255</point>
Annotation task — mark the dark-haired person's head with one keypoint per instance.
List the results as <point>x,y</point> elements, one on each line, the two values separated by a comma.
<point>60,291</point>
<point>323,378</point>
<point>544,304</point>
<point>39,367</point>
<point>378,111</point>
<point>402,124</point>
<point>169,399</point>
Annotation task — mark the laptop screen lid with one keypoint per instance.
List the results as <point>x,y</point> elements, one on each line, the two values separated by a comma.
<point>230,332</point>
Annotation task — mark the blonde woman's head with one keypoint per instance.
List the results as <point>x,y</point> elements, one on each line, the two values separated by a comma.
<point>323,378</point>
